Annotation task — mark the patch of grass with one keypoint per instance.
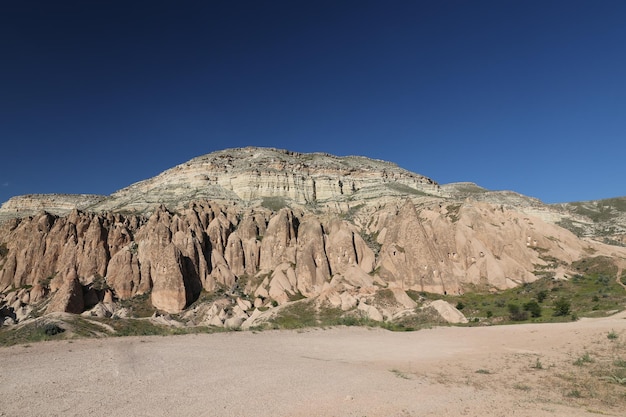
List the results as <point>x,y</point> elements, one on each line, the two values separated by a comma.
<point>453,212</point>
<point>620,363</point>
<point>612,335</point>
<point>139,305</point>
<point>537,364</point>
<point>297,315</point>
<point>45,282</point>
<point>399,374</point>
<point>574,394</point>
<point>274,203</point>
<point>483,371</point>
<point>384,298</point>
<point>591,293</point>
<point>586,358</point>
<point>616,379</point>
<point>297,296</point>
<point>352,211</point>
<point>405,189</point>
<point>371,239</point>
<point>100,283</point>
<point>138,327</point>
<point>306,313</point>
<point>52,329</point>
<point>516,313</point>
<point>30,333</point>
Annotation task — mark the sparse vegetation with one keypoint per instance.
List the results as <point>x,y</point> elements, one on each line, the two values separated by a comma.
<point>99,283</point>
<point>45,282</point>
<point>561,307</point>
<point>516,313</point>
<point>139,305</point>
<point>51,329</point>
<point>352,211</point>
<point>453,212</point>
<point>586,358</point>
<point>31,332</point>
<point>574,394</point>
<point>591,293</point>
<point>533,308</point>
<point>541,296</point>
<point>371,239</point>
<point>133,248</point>
<point>274,203</point>
<point>399,374</point>
<point>404,189</point>
<point>4,251</point>
<point>538,364</point>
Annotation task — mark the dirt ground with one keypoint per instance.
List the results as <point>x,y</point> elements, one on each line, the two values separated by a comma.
<point>517,370</point>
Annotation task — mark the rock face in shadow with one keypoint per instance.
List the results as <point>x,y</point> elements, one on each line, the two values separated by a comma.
<point>68,298</point>
<point>357,241</point>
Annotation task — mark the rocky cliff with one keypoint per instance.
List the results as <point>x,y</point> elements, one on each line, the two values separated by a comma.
<point>264,227</point>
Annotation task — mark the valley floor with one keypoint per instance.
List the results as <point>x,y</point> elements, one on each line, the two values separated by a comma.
<point>561,369</point>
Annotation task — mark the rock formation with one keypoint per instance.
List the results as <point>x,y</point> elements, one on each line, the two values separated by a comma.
<point>268,227</point>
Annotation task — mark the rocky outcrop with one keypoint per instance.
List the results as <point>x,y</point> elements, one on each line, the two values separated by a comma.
<point>68,298</point>
<point>266,255</point>
<point>59,204</point>
<point>244,175</point>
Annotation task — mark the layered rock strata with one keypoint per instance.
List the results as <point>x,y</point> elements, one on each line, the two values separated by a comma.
<point>267,227</point>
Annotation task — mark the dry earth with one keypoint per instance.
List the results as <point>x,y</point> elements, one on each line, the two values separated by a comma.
<point>449,371</point>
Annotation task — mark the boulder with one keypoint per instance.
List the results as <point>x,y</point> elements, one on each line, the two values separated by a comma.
<point>370,312</point>
<point>234,323</point>
<point>447,311</point>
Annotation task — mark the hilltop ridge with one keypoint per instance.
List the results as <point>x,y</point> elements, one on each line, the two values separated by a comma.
<point>245,176</point>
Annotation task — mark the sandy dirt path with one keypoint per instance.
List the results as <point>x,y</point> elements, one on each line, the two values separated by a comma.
<point>449,371</point>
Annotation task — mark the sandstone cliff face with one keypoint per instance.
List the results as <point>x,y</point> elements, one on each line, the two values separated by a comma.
<point>364,237</point>
<point>28,205</point>
<point>436,248</point>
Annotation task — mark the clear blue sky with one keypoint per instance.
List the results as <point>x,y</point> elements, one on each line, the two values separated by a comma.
<point>525,95</point>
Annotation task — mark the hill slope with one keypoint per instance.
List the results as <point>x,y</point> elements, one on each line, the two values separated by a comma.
<point>231,237</point>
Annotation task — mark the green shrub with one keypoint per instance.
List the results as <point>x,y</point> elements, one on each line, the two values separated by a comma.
<point>562,307</point>
<point>516,313</point>
<point>586,358</point>
<point>541,296</point>
<point>51,329</point>
<point>533,308</point>
<point>99,283</point>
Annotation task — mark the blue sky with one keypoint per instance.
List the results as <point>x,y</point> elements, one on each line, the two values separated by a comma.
<point>525,95</point>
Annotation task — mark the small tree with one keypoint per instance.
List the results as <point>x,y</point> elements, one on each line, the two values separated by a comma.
<point>541,295</point>
<point>533,308</point>
<point>562,307</point>
<point>516,313</point>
